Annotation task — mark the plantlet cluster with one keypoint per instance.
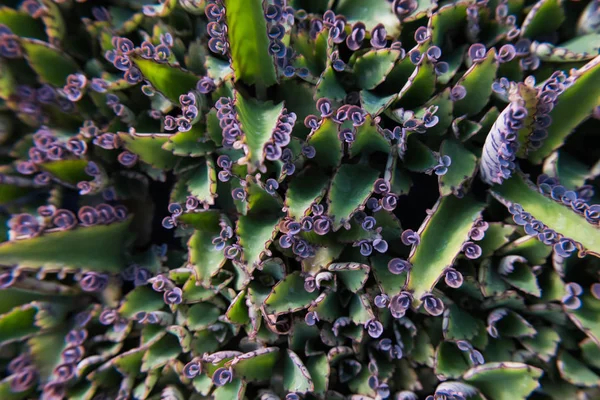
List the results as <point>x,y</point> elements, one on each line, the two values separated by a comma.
<point>299,199</point>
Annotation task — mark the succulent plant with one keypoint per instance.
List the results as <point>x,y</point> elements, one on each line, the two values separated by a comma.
<point>299,199</point>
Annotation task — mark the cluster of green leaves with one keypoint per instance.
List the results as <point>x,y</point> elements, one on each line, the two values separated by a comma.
<point>339,199</point>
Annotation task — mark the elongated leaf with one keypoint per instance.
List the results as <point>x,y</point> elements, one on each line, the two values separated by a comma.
<point>372,67</point>
<point>202,181</point>
<point>306,189</point>
<point>203,258</point>
<point>587,317</point>
<point>478,82</point>
<point>258,122</point>
<point>420,85</point>
<point>544,17</point>
<point>462,169</point>
<point>149,148</point>
<point>192,143</point>
<point>327,145</point>
<point>350,189</point>
<point>296,377</point>
<point>256,234</point>
<point>371,14</point>
<point>442,235</point>
<point>353,275</point>
<point>99,248</point>
<point>170,80</point>
<point>574,105</point>
<point>257,365</point>
<point>249,43</point>
<point>21,23</point>
<point>319,369</point>
<point>459,324</point>
<point>554,215</point>
<point>50,63</point>
<point>504,381</point>
<point>289,296</point>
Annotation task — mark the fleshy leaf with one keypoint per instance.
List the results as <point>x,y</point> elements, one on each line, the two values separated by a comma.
<point>329,87</point>
<point>202,181</point>
<point>574,105</point>
<point>99,248</point>
<point>554,215</point>
<point>544,344</point>
<point>258,122</point>
<point>521,275</point>
<point>439,247</point>
<point>296,377</point>
<point>234,390</point>
<point>478,82</point>
<point>350,189</point>
<point>257,365</point>
<point>369,139</point>
<point>142,298</point>
<point>256,234</point>
<point>289,295</point>
<point>319,369</point>
<point>371,14</point>
<point>21,23</point>
<point>148,146</point>
<point>191,143</point>
<point>327,145</point>
<point>419,86</point>
<point>450,362</point>
<point>372,67</point>
<point>459,324</point>
<point>170,80</point>
<point>353,275</point>
<point>204,260</point>
<point>249,43</point>
<point>504,381</point>
<point>544,18</point>
<point>161,352</point>
<point>462,169</point>
<point>51,64</point>
<point>307,188</point>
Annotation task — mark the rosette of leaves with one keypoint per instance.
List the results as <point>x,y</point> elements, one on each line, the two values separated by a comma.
<point>270,199</point>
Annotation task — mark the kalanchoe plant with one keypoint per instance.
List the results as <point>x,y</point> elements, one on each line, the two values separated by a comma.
<point>290,199</point>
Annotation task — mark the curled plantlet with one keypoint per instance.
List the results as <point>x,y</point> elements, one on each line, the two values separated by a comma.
<point>192,369</point>
<point>222,376</point>
<point>571,299</point>
<point>398,266</point>
<point>471,250</point>
<point>410,238</point>
<point>374,328</point>
<point>432,305</point>
<point>453,278</point>
<point>442,167</point>
<point>399,304</point>
<point>382,300</point>
<point>311,318</point>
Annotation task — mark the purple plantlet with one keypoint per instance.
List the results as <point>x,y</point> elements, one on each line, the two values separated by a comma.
<point>382,300</point>
<point>108,317</point>
<point>398,266</point>
<point>380,245</point>
<point>233,251</point>
<point>381,186</point>
<point>93,282</point>
<point>432,305</point>
<point>422,34</point>
<point>311,318</point>
<point>25,225</point>
<point>127,159</point>
<point>477,52</point>
<point>458,92</point>
<point>357,36</point>
<point>23,380</point>
<point>347,135</point>
<point>378,37</point>
<point>399,304</point>
<point>192,369</point>
<point>72,354</point>
<point>222,376</point>
<point>410,238</point>
<point>312,122</point>
<point>453,278</point>
<point>471,250</point>
<point>173,296</point>
<point>565,247</point>
<point>415,56</point>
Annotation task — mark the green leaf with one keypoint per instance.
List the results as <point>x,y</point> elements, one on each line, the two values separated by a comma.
<point>192,143</point>
<point>444,112</point>
<point>442,235</point>
<point>420,85</point>
<point>255,235</point>
<point>296,377</point>
<point>462,169</point>
<point>319,369</point>
<point>554,215</point>
<point>202,315</point>
<point>478,81</point>
<point>130,362</point>
<point>590,352</point>
<point>18,324</point>
<point>67,171</point>
<point>21,23</point>
<point>450,362</point>
<point>449,18</point>
<point>142,298</point>
<point>574,105</point>
<point>249,43</point>
<point>258,121</point>
<point>350,189</point>
<point>204,260</point>
<point>237,312</point>
<point>504,381</point>
<point>521,276</point>
<point>388,283</point>
<point>459,324</point>
<point>495,237</point>
<point>202,181</point>
<point>372,67</point>
<point>513,324</point>
<point>369,139</point>
<point>544,18</point>
<point>375,104</point>
<point>234,390</point>
<point>371,14</point>
<point>8,85</point>
<point>160,353</point>
<point>359,310</point>
<point>329,87</point>
<point>305,189</point>
<point>587,317</point>
<point>50,63</point>
<point>289,296</point>
<point>353,275</point>
<point>257,365</point>
<point>580,48</point>
<point>327,144</point>
<point>99,248</point>
<point>419,157</point>
<point>570,172</point>
<point>529,247</point>
<point>170,80</point>
<point>544,344</point>
<point>149,148</point>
